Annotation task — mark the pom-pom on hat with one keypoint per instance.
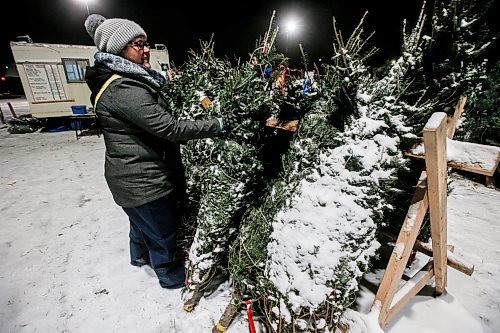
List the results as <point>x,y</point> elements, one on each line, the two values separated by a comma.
<point>112,35</point>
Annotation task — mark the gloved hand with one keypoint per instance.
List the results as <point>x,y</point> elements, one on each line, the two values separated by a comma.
<point>231,120</point>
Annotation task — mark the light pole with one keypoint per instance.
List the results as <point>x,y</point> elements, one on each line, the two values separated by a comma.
<point>287,38</point>
<point>87,5</point>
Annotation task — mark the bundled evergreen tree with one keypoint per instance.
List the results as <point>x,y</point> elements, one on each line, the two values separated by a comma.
<point>224,175</point>
<point>456,38</point>
<point>482,121</point>
<point>320,218</point>
<point>454,57</point>
<point>185,93</point>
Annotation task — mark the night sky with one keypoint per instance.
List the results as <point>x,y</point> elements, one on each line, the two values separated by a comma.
<point>180,25</point>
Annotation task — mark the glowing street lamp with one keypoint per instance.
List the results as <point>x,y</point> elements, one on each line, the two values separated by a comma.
<point>291,27</point>
<point>86,4</point>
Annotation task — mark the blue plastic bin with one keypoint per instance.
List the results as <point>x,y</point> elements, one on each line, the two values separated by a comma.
<point>79,109</point>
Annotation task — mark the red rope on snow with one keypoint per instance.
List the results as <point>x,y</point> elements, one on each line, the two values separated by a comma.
<point>250,316</point>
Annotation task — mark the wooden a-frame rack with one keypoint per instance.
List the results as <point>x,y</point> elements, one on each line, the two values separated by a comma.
<point>431,193</point>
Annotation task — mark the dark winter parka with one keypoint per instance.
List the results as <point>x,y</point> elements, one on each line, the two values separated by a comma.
<point>143,160</point>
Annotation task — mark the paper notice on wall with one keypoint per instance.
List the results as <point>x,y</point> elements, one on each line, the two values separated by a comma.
<point>45,82</point>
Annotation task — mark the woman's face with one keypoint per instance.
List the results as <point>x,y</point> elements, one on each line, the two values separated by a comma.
<point>137,51</point>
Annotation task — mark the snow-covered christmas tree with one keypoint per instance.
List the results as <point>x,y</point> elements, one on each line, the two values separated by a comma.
<point>320,218</point>
<point>224,174</point>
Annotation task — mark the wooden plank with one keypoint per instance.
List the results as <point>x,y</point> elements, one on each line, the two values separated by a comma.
<point>474,168</point>
<point>2,119</point>
<point>436,167</point>
<point>452,121</point>
<point>450,130</point>
<point>487,158</point>
<point>453,261</point>
<point>287,126</point>
<point>404,245</point>
<point>411,288</point>
<point>12,110</point>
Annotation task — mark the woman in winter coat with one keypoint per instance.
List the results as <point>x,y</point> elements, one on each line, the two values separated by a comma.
<point>143,166</point>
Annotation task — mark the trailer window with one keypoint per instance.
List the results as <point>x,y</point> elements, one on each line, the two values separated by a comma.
<point>75,69</point>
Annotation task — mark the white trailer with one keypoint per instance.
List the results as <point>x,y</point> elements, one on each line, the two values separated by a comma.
<point>53,75</point>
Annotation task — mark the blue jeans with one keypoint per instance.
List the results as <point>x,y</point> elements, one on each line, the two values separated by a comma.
<point>153,239</point>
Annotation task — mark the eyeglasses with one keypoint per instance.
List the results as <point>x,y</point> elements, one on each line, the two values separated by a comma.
<point>140,44</point>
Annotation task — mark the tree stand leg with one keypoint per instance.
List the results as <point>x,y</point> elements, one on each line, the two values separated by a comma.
<point>12,110</point>
<point>489,182</point>
<point>2,119</point>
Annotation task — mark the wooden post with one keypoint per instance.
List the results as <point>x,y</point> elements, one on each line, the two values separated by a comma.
<point>12,110</point>
<point>452,121</point>
<point>2,119</point>
<point>437,169</point>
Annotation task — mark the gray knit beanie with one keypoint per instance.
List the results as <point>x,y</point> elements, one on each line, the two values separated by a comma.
<point>112,35</point>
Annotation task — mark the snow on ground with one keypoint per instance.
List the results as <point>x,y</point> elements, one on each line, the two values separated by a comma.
<point>64,250</point>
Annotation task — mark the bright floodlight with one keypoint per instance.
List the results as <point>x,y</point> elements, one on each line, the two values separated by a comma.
<point>86,4</point>
<point>291,25</point>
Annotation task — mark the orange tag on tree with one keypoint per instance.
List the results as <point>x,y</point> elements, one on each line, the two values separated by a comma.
<point>204,100</point>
